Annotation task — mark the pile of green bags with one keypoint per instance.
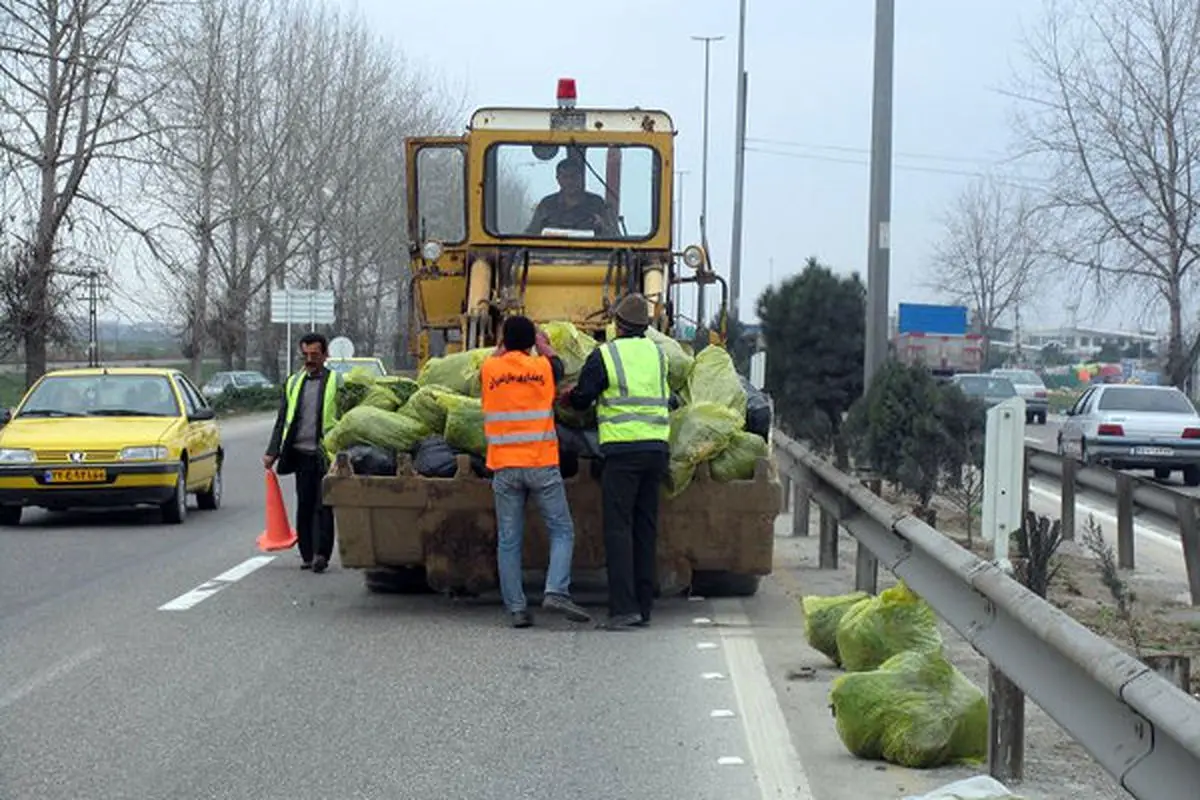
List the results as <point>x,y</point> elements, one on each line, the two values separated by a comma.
<point>707,426</point>
<point>901,701</point>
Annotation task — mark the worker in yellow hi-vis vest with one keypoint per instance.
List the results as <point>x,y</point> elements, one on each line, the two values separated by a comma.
<point>297,446</point>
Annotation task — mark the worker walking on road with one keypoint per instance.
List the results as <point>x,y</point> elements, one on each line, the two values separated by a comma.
<point>627,379</point>
<point>522,452</point>
<point>306,414</point>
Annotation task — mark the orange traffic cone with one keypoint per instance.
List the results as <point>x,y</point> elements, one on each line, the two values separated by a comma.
<point>279,534</point>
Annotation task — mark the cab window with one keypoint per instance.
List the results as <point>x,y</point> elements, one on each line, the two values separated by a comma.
<point>553,191</point>
<point>441,202</point>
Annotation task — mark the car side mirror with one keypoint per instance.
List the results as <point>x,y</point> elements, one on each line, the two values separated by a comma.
<point>202,414</point>
<point>5,416</point>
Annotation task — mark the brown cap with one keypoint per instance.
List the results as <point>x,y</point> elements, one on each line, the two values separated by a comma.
<point>632,311</point>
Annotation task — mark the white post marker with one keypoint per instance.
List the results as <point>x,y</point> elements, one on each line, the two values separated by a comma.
<point>1003,475</point>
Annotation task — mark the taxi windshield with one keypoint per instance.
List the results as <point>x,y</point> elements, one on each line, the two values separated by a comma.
<point>101,396</point>
<point>575,192</point>
<point>347,365</point>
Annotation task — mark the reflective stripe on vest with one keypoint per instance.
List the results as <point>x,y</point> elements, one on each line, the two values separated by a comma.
<point>518,411</point>
<point>636,405</point>
<point>329,406</point>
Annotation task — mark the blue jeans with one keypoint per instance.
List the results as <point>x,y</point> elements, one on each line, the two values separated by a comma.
<point>512,488</point>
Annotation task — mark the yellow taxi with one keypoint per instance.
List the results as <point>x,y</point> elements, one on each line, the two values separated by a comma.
<point>368,364</point>
<point>110,437</point>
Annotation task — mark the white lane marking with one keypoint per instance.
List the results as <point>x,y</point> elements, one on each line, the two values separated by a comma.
<point>721,713</point>
<point>1140,527</point>
<point>731,761</point>
<point>209,588</point>
<point>702,621</point>
<point>781,776</point>
<point>712,676</point>
<point>695,598</point>
<point>706,646</point>
<point>46,676</point>
<point>1033,440</point>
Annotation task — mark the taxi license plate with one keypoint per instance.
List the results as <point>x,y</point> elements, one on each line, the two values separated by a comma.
<point>1153,451</point>
<point>76,476</point>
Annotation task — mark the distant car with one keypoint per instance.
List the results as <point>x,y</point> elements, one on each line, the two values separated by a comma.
<point>990,389</point>
<point>110,437</point>
<point>1135,427</point>
<point>222,382</point>
<point>1031,388</point>
<point>372,366</point>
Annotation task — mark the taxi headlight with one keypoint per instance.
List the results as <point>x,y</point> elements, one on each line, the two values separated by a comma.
<point>144,453</point>
<point>9,455</point>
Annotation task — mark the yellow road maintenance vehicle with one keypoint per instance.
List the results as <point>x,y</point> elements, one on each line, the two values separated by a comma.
<point>492,236</point>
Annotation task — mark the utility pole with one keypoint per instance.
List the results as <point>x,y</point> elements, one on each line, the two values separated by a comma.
<point>92,278</point>
<point>879,235</point>
<point>739,173</point>
<point>701,322</point>
<point>679,233</point>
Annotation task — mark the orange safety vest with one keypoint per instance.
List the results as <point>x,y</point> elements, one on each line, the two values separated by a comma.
<point>518,411</point>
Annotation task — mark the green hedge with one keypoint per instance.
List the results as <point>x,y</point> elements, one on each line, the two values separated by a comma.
<point>244,401</point>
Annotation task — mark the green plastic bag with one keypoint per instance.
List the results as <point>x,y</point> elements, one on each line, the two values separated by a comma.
<point>464,423</point>
<point>402,387</point>
<point>425,405</point>
<point>458,372</point>
<point>714,379</point>
<point>821,618</point>
<point>894,621</point>
<point>374,426</point>
<point>572,345</point>
<point>379,396</point>
<point>679,363</point>
<point>738,461</point>
<point>917,710</point>
<point>353,391</point>
<point>698,433</point>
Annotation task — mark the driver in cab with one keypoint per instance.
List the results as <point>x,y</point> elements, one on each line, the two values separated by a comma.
<point>572,207</point>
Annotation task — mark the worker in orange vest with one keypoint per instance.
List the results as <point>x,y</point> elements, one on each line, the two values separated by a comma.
<point>519,390</point>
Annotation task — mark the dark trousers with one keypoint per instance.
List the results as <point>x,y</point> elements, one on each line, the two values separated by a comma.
<point>314,519</point>
<point>631,486</point>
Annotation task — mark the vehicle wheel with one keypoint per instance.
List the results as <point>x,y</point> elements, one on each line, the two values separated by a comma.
<point>1191,474</point>
<point>1029,418</point>
<point>210,500</point>
<point>1041,418</point>
<point>174,511</point>
<point>1162,473</point>
<point>402,580</point>
<point>724,584</point>
<point>10,516</point>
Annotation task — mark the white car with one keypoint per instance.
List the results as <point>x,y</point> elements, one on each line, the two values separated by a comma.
<point>1032,390</point>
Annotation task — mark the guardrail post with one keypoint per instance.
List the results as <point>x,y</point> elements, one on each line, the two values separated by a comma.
<point>828,558</point>
<point>1067,513</point>
<point>1006,728</point>
<point>866,566</point>
<point>786,484</point>
<point>1124,521</point>
<point>1025,482</point>
<point>1189,536</point>
<point>801,501</point>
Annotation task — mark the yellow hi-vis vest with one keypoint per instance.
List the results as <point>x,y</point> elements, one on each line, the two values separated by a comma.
<point>636,405</point>
<point>329,416</point>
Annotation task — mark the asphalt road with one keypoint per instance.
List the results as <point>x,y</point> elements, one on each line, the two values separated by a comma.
<point>285,684</point>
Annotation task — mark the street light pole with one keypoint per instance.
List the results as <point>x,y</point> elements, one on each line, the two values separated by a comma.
<point>879,234</point>
<point>739,167</point>
<point>679,233</point>
<point>701,323</point>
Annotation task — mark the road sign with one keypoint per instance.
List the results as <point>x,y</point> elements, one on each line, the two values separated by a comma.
<point>341,347</point>
<point>302,306</point>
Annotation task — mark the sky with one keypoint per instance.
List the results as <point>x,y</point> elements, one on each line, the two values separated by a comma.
<point>810,65</point>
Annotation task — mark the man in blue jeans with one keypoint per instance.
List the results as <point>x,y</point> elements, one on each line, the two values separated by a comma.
<point>519,389</point>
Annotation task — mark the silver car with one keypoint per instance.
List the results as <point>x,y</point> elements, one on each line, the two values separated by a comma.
<point>1032,390</point>
<point>989,389</point>
<point>1135,427</point>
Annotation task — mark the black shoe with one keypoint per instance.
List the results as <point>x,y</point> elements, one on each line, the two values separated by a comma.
<point>645,623</point>
<point>306,565</point>
<point>522,619</point>
<point>566,606</point>
<point>622,622</point>
<point>320,563</point>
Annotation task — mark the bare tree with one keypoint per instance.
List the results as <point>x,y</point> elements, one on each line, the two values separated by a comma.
<point>991,256</point>
<point>73,96</point>
<point>1113,104</point>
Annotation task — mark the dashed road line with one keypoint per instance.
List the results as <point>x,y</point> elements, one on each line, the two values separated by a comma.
<point>46,676</point>
<point>706,645</point>
<point>207,589</point>
<point>712,676</point>
<point>721,713</point>
<point>730,761</point>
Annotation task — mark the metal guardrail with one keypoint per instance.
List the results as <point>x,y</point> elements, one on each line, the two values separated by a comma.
<point>1131,493</point>
<point>1140,728</point>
